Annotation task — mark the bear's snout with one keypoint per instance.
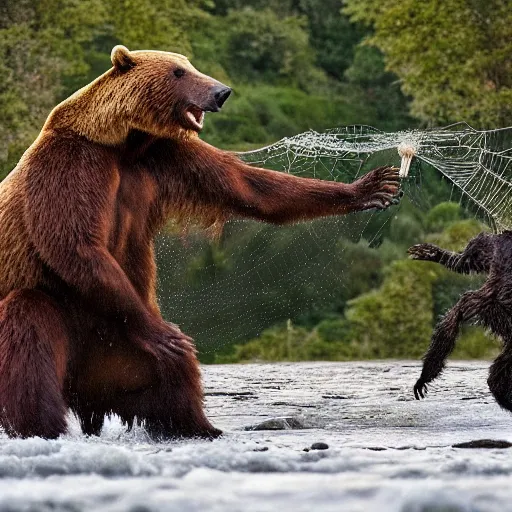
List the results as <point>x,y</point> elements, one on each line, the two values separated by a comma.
<point>220,95</point>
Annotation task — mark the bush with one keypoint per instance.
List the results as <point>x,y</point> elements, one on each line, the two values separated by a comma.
<point>395,320</point>
<point>442,215</point>
<point>475,343</point>
<point>283,343</point>
<point>262,114</point>
<point>334,329</point>
<point>456,236</point>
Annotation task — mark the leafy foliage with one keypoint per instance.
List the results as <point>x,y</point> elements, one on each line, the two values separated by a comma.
<point>453,56</point>
<point>35,63</point>
<point>261,46</point>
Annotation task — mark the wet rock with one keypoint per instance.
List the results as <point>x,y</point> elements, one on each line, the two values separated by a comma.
<point>335,397</point>
<point>319,446</point>
<point>279,424</point>
<point>262,449</point>
<point>376,448</point>
<point>484,443</point>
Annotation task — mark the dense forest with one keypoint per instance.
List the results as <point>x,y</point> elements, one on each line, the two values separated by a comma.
<point>332,289</point>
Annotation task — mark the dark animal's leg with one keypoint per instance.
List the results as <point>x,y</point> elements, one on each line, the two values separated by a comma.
<point>33,360</point>
<point>477,257</point>
<point>470,305</point>
<point>500,378</point>
<point>499,320</point>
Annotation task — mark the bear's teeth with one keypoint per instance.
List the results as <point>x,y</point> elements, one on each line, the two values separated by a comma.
<point>198,123</point>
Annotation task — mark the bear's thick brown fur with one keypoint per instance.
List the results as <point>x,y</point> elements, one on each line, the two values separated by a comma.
<point>80,327</point>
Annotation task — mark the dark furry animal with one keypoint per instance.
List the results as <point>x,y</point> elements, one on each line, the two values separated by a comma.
<point>491,306</point>
<point>80,326</point>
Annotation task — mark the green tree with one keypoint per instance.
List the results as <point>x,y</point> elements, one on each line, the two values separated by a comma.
<point>261,46</point>
<point>332,35</point>
<point>168,25</point>
<point>453,57</point>
<point>41,45</point>
<point>442,215</point>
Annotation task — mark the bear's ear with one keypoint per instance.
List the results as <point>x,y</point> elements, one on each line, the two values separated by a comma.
<point>121,58</point>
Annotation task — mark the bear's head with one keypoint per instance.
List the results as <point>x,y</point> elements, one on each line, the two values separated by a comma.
<point>159,93</point>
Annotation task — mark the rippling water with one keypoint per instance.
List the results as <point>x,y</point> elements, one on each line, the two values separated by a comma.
<point>387,452</point>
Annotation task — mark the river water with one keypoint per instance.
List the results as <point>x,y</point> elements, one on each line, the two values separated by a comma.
<point>386,451</point>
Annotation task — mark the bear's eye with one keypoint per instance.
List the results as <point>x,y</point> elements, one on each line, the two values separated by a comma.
<point>178,73</point>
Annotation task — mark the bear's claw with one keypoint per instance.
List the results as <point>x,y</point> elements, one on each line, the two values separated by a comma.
<point>379,188</point>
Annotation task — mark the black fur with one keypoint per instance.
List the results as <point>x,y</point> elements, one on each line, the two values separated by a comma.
<point>491,306</point>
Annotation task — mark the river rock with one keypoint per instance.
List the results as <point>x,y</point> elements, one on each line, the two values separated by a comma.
<point>484,443</point>
<point>279,424</point>
<point>319,446</point>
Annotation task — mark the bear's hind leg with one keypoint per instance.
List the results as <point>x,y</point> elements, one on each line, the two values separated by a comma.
<point>33,359</point>
<point>91,422</point>
<point>181,393</point>
<point>168,400</point>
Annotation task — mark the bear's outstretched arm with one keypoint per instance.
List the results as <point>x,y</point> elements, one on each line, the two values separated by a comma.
<point>476,257</point>
<point>280,198</point>
<point>223,181</point>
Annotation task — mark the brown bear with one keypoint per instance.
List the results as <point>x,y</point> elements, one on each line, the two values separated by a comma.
<point>80,326</point>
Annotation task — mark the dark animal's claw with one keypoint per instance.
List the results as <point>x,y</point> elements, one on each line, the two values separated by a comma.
<point>420,389</point>
<point>426,252</point>
<point>413,252</point>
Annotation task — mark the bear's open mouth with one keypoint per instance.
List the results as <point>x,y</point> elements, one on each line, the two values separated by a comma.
<point>196,117</point>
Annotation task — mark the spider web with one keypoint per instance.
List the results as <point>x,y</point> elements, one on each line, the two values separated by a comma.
<point>477,163</point>
<point>258,275</point>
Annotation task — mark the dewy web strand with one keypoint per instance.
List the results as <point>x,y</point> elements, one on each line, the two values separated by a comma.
<point>257,274</point>
<point>477,163</point>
